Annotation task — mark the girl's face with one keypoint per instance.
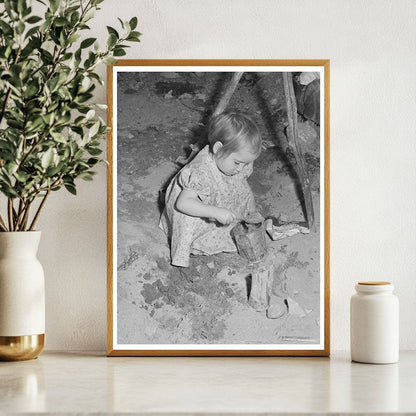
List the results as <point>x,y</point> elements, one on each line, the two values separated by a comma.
<point>233,163</point>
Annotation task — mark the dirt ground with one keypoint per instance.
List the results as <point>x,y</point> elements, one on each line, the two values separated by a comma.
<point>159,117</point>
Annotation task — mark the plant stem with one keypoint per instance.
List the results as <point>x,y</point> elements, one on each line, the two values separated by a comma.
<point>38,211</point>
<point>18,216</point>
<point>2,224</point>
<point>21,213</point>
<point>26,216</point>
<point>10,213</point>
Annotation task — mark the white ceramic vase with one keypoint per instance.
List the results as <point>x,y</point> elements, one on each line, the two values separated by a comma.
<point>22,296</point>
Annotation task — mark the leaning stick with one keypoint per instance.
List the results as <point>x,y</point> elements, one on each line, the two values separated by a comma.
<point>293,142</point>
<point>222,105</point>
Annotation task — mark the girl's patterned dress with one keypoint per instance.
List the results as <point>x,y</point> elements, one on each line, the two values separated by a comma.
<point>193,235</point>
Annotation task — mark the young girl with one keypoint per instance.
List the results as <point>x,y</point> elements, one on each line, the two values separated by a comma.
<point>211,194</point>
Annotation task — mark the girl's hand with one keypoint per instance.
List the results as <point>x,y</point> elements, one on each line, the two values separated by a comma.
<point>224,216</point>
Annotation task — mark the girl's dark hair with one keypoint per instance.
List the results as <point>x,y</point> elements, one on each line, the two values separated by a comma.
<point>234,130</point>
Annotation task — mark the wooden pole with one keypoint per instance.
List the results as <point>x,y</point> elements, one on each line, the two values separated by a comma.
<point>293,142</point>
<point>225,99</point>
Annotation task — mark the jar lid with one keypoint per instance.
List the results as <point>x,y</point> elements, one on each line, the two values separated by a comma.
<point>374,287</point>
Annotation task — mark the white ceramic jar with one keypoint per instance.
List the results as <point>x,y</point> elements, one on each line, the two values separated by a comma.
<point>374,323</point>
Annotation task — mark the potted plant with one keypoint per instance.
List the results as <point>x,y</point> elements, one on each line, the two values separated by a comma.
<point>50,136</point>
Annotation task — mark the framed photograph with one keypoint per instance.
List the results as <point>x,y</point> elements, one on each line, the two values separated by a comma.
<point>218,208</point>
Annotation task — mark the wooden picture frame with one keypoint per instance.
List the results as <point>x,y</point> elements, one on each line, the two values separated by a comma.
<point>158,111</point>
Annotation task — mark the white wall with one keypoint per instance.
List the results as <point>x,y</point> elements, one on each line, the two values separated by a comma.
<point>371,45</point>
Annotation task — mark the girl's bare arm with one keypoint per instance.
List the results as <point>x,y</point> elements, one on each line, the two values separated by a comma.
<point>189,203</point>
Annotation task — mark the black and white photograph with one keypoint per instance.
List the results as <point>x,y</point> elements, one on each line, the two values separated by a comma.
<point>218,219</point>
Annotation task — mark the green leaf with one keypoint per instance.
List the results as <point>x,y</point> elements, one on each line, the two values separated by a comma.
<point>31,90</point>
<point>54,4</point>
<point>119,52</point>
<point>74,18</point>
<point>60,138</point>
<point>92,161</point>
<point>48,118</point>
<point>21,177</point>
<point>87,42</point>
<point>94,129</point>
<point>8,191</point>
<point>28,50</point>
<point>67,56</point>
<point>31,32</point>
<point>90,114</point>
<point>27,11</point>
<point>94,151</point>
<point>112,41</point>
<point>82,166</point>
<point>73,38</point>
<point>85,85</point>
<point>96,77</point>
<point>123,46</point>
<point>134,37</point>
<point>10,7</point>
<point>52,171</point>
<point>110,60</point>
<point>88,16</point>
<point>70,188</point>
<point>21,5</point>
<point>5,146</point>
<point>64,93</point>
<point>63,119</point>
<point>35,125</point>
<point>112,31</point>
<point>53,83</point>
<point>121,22</point>
<point>16,124</point>
<point>67,153</point>
<point>61,21</point>
<point>33,19</point>
<point>77,130</point>
<point>6,29</point>
<point>46,56</point>
<point>11,168</point>
<point>133,23</point>
<point>20,28</point>
<point>8,52</point>
<point>47,158</point>
<point>82,98</point>
<point>63,41</point>
<point>86,176</point>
